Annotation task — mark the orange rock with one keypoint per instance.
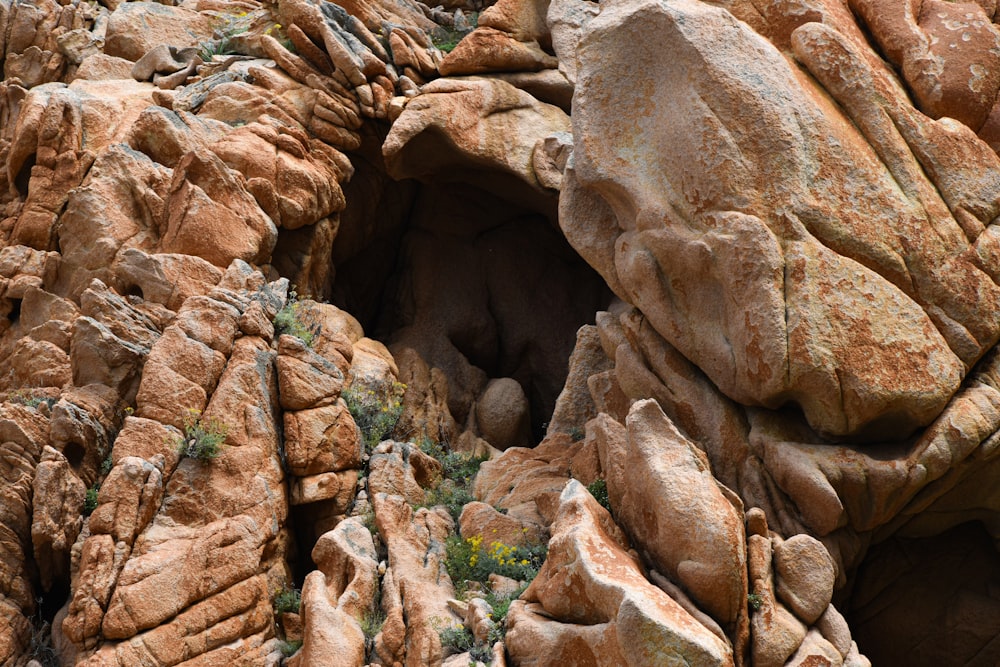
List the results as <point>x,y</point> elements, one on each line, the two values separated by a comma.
<point>57,498</point>
<point>805,286</point>
<point>401,469</point>
<point>489,50</point>
<point>338,595</point>
<point>598,603</point>
<point>415,541</point>
<point>502,414</point>
<point>210,214</point>
<point>305,378</point>
<point>665,471</point>
<point>482,520</point>
<point>134,29</point>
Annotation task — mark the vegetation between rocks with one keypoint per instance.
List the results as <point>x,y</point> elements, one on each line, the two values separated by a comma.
<point>467,560</point>
<point>457,638</point>
<point>454,488</point>
<point>287,601</point>
<point>375,410</point>
<point>203,437</point>
<point>599,489</point>
<point>371,624</point>
<point>446,39</point>
<point>40,643</point>
<point>90,500</point>
<point>291,320</point>
<point>26,398</point>
<point>289,648</point>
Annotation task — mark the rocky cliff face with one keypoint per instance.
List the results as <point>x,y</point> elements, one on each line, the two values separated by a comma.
<point>548,332</point>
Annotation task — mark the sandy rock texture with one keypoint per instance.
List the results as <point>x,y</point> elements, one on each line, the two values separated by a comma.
<point>527,332</point>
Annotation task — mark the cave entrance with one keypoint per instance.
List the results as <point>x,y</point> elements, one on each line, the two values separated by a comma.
<point>478,285</point>
<point>929,601</point>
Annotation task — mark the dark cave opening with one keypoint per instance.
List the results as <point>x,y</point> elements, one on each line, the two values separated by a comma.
<point>14,313</point>
<point>24,176</point>
<point>480,284</point>
<point>476,280</point>
<point>53,600</point>
<point>74,453</point>
<point>929,601</point>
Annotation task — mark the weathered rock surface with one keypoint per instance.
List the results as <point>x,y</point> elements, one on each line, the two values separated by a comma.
<point>420,583</point>
<point>597,604</point>
<point>794,202</point>
<point>333,607</point>
<point>668,485</point>
<point>457,116</point>
<point>792,323</point>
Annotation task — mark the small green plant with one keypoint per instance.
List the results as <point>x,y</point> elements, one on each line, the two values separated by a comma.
<point>26,398</point>
<point>457,466</point>
<point>448,44</point>
<point>461,467</point>
<point>203,437</point>
<point>577,434</point>
<point>368,519</point>
<point>453,496</point>
<point>291,320</point>
<point>375,410</point>
<point>457,472</point>
<point>372,622</point>
<point>481,653</point>
<point>287,601</point>
<point>106,465</point>
<point>289,648</point>
<point>500,604</point>
<point>467,561</point>
<point>90,500</point>
<point>457,638</point>
<point>754,601</point>
<point>226,29</point>
<point>599,489</point>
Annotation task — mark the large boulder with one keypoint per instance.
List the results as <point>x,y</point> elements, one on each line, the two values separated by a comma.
<point>596,606</point>
<point>769,283</point>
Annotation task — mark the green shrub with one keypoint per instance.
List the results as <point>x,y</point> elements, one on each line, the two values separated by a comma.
<point>461,467</point>
<point>372,622</point>
<point>227,27</point>
<point>26,398</point>
<point>90,500</point>
<point>457,466</point>
<point>754,601</point>
<point>457,472</point>
<point>203,438</point>
<point>457,638</point>
<point>446,39</point>
<point>287,601</point>
<point>289,648</point>
<point>453,496</point>
<point>375,410</point>
<point>481,653</point>
<point>466,560</point>
<point>599,489</point>
<point>291,320</point>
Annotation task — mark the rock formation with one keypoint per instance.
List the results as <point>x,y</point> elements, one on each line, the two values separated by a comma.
<point>531,333</point>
